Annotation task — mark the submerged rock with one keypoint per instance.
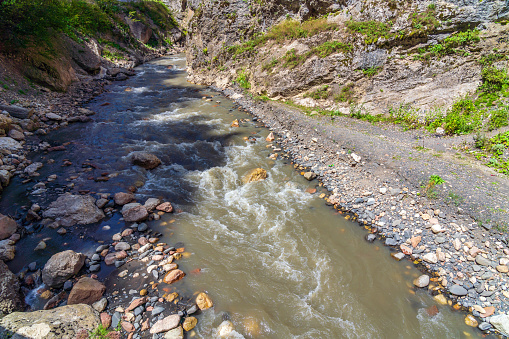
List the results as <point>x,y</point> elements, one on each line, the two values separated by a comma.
<point>62,266</point>
<point>71,209</point>
<point>203,301</point>
<point>255,175</point>
<point>57,323</point>
<point>145,160</point>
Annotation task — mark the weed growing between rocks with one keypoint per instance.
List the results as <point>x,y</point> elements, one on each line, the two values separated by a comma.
<point>243,80</point>
<point>320,93</point>
<point>101,332</point>
<point>346,94</point>
<point>450,45</point>
<point>430,190</point>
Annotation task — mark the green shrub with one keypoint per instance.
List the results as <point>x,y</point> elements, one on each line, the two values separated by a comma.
<point>293,60</point>
<point>462,118</point>
<point>371,71</point>
<point>499,118</point>
<point>494,79</point>
<point>243,80</point>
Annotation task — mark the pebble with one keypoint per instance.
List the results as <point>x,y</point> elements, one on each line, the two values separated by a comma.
<point>422,281</point>
<point>458,290</point>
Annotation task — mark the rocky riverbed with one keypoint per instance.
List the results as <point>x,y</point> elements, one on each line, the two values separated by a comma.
<point>465,263</point>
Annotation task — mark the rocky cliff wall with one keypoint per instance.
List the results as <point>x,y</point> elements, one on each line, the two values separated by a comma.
<point>373,54</point>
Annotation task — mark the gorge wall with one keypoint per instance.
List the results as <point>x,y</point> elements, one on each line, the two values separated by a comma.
<point>374,55</point>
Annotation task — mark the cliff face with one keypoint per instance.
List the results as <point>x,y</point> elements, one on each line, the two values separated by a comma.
<point>375,55</point>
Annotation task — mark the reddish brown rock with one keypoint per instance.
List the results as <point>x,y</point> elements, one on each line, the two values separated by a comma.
<point>7,227</point>
<point>142,241</point>
<point>489,311</point>
<point>407,250</point>
<point>110,258</point>
<point>165,207</point>
<point>126,232</point>
<point>432,311</point>
<point>121,255</point>
<point>145,160</point>
<point>86,291</point>
<point>145,326</point>
<point>122,198</point>
<point>135,303</point>
<point>128,327</point>
<point>105,319</point>
<point>415,241</point>
<point>173,276</point>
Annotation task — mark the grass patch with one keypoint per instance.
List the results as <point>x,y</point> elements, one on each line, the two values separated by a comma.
<point>372,30</point>
<point>455,198</point>
<point>288,29</point>
<point>330,47</point>
<point>450,45</point>
<point>346,94</point>
<point>319,93</point>
<point>371,71</point>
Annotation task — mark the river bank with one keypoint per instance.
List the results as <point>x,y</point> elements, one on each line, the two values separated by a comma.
<point>368,178</point>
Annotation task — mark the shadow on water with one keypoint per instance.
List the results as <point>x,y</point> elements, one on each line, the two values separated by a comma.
<point>139,114</point>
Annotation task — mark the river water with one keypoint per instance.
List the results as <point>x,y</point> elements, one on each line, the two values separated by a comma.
<point>275,260</point>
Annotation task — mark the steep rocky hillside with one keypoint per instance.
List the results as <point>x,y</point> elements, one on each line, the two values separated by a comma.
<point>411,60</point>
<point>55,43</point>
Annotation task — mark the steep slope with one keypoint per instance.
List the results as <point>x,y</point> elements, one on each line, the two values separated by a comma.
<point>375,54</point>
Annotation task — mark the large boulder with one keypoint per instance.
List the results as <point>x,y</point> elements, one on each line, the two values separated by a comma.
<point>59,323</point>
<point>17,112</point>
<point>5,177</point>
<point>10,298</point>
<point>74,209</point>
<point>140,30</point>
<point>135,213</point>
<point>83,56</point>
<point>62,266</point>
<point>5,122</point>
<point>7,227</point>
<point>86,291</point>
<point>7,250</point>
<point>145,160</point>
<point>9,144</point>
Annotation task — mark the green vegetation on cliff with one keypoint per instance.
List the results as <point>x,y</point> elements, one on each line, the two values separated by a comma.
<point>27,21</point>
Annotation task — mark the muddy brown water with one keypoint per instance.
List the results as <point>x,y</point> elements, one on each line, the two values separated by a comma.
<point>276,261</point>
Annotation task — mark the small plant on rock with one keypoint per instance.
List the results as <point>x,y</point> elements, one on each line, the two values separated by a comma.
<point>243,80</point>
<point>430,188</point>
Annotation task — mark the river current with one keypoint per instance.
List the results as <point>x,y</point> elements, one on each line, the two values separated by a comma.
<point>276,261</point>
